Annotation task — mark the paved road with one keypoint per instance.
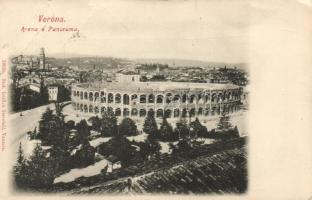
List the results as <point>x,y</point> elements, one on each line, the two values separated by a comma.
<point>19,125</point>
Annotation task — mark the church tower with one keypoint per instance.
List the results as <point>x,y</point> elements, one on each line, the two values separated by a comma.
<point>42,59</point>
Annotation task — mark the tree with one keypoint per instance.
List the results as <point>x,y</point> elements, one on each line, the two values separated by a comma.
<point>198,130</point>
<point>224,124</point>
<point>51,129</point>
<point>152,145</point>
<point>182,129</point>
<point>40,171</point>
<point>83,131</point>
<point>109,125</point>
<point>96,123</point>
<point>120,147</point>
<point>19,170</point>
<point>150,125</point>
<point>85,155</point>
<point>166,131</point>
<point>127,127</point>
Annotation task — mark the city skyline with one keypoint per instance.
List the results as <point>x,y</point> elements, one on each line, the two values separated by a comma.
<point>206,31</point>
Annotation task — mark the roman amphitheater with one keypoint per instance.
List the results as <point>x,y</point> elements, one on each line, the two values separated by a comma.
<point>170,99</point>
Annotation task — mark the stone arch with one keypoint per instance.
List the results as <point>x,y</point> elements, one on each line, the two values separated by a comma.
<point>184,98</point>
<point>110,98</point>
<point>184,112</point>
<point>176,112</point>
<point>160,98</point>
<point>90,96</point>
<point>90,108</point>
<point>151,98</point>
<point>96,96</point>
<point>192,98</point>
<point>159,113</point>
<point>126,112</point>
<point>168,113</point>
<point>214,97</point>
<point>134,97</point>
<point>103,98</point>
<point>134,112</point>
<point>201,98</point>
<point>126,99</point>
<point>81,95</point>
<point>118,112</point>
<point>117,98</point>
<point>110,109</point>
<point>176,98</point>
<point>192,112</point>
<point>85,95</point>
<point>143,98</point>
<point>142,112</point>
<point>85,108</point>
<point>102,109</point>
<point>169,97</point>
<point>96,109</point>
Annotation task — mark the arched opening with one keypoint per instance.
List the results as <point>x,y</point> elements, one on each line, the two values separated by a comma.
<point>84,95</point>
<point>134,112</point>
<point>90,96</point>
<point>126,112</point>
<point>176,98</point>
<point>168,113</point>
<point>85,108</point>
<point>117,112</point>
<point>110,98</point>
<point>81,95</point>
<point>151,98</point>
<point>74,93</point>
<point>192,112</point>
<point>176,112</point>
<point>192,98</point>
<point>214,98</point>
<point>134,97</point>
<point>96,96</point>
<point>184,112</point>
<point>160,98</point>
<point>126,99</point>
<point>102,110</point>
<point>110,109</point>
<point>143,98</point>
<point>81,107</point>
<point>90,108</point>
<point>169,98</point>
<point>184,98</point>
<point>96,109</point>
<point>117,98</point>
<point>103,98</point>
<point>160,113</point>
<point>142,112</point>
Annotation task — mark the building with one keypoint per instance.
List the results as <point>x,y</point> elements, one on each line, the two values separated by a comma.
<point>127,76</point>
<point>53,92</point>
<point>42,59</point>
<point>173,99</point>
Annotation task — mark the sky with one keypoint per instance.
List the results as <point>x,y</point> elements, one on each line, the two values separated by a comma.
<point>215,30</point>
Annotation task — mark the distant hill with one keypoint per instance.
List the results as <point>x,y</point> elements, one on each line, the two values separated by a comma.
<point>111,62</point>
<point>192,63</point>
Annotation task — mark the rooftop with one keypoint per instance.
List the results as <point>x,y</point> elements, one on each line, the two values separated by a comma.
<point>156,86</point>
